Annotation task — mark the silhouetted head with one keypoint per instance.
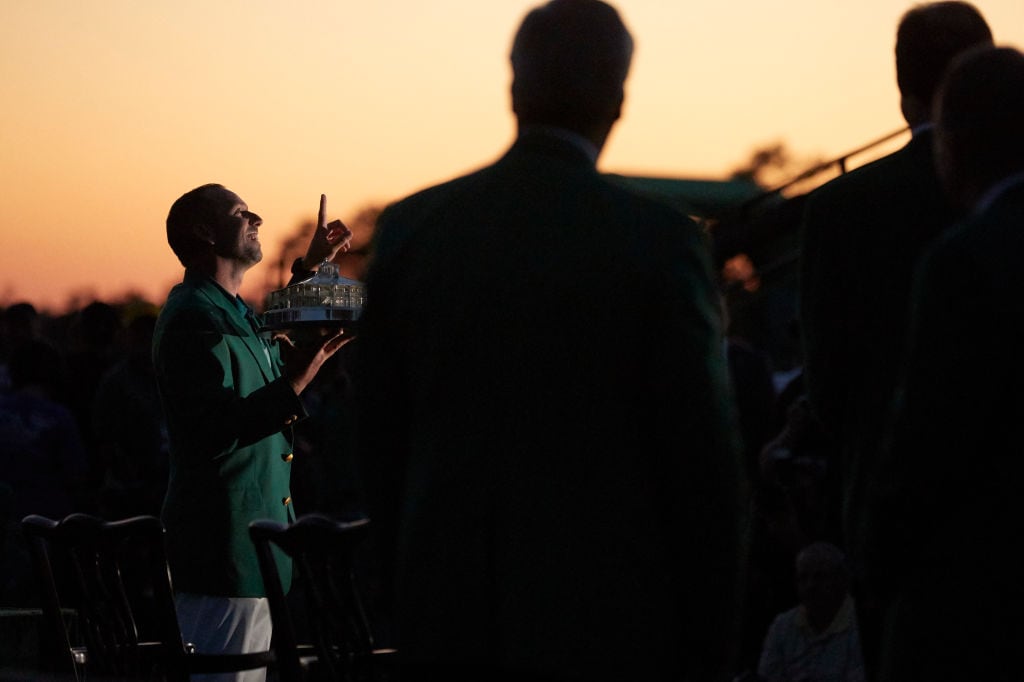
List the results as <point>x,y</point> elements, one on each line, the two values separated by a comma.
<point>20,323</point>
<point>37,365</point>
<point>210,221</point>
<point>823,582</point>
<point>979,126</point>
<point>97,324</point>
<point>569,63</point>
<point>928,38</point>
<point>192,210</point>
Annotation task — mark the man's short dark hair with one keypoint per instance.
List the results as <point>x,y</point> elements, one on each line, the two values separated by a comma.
<point>569,60</point>
<point>929,37</point>
<point>980,115</point>
<point>196,207</point>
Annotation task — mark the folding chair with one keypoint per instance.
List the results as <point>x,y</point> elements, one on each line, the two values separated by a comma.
<point>322,549</point>
<point>117,579</point>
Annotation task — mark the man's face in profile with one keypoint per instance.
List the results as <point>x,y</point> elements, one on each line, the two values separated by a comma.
<point>236,229</point>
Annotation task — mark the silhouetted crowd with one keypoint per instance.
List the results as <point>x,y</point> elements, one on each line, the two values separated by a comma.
<point>82,428</point>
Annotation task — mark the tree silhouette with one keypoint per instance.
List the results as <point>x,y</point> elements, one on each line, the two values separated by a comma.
<point>767,164</point>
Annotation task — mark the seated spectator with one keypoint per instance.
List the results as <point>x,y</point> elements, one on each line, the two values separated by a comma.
<point>817,641</point>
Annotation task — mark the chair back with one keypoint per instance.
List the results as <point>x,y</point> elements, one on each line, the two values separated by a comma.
<point>322,550</point>
<point>109,566</point>
<point>120,586</point>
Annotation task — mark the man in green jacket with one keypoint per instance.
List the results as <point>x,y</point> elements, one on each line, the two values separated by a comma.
<point>230,402</point>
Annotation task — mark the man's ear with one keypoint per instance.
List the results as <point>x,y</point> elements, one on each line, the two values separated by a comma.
<point>204,232</point>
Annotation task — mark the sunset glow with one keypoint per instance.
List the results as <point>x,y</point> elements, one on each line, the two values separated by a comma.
<point>113,108</point>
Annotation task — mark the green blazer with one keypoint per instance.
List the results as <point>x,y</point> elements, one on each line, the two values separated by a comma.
<point>547,426</point>
<point>228,413</point>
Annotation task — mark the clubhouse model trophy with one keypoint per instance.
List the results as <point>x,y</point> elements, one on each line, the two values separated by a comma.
<point>325,300</point>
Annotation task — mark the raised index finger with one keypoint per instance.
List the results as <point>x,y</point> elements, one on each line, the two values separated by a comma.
<point>321,220</point>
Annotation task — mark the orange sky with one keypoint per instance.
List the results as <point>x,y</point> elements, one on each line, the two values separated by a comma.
<point>110,109</point>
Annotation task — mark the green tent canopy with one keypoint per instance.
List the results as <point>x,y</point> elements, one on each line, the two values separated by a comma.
<point>701,198</point>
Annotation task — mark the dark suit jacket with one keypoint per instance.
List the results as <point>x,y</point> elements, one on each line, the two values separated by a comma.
<point>946,511</point>
<point>547,427</point>
<point>863,234</point>
<point>227,409</point>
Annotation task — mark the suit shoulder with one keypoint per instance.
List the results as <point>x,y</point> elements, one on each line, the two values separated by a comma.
<point>438,194</point>
<point>651,214</point>
<point>899,191</point>
<point>865,180</point>
<point>656,234</point>
<point>189,310</point>
<point>992,236</point>
<point>401,217</point>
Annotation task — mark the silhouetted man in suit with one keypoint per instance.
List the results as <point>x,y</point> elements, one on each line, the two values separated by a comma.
<point>947,511</point>
<point>546,422</point>
<point>863,233</point>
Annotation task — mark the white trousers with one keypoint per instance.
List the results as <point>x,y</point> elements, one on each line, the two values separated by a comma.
<point>229,625</point>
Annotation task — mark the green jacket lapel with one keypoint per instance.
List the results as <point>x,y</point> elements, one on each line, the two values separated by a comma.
<point>246,333</point>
